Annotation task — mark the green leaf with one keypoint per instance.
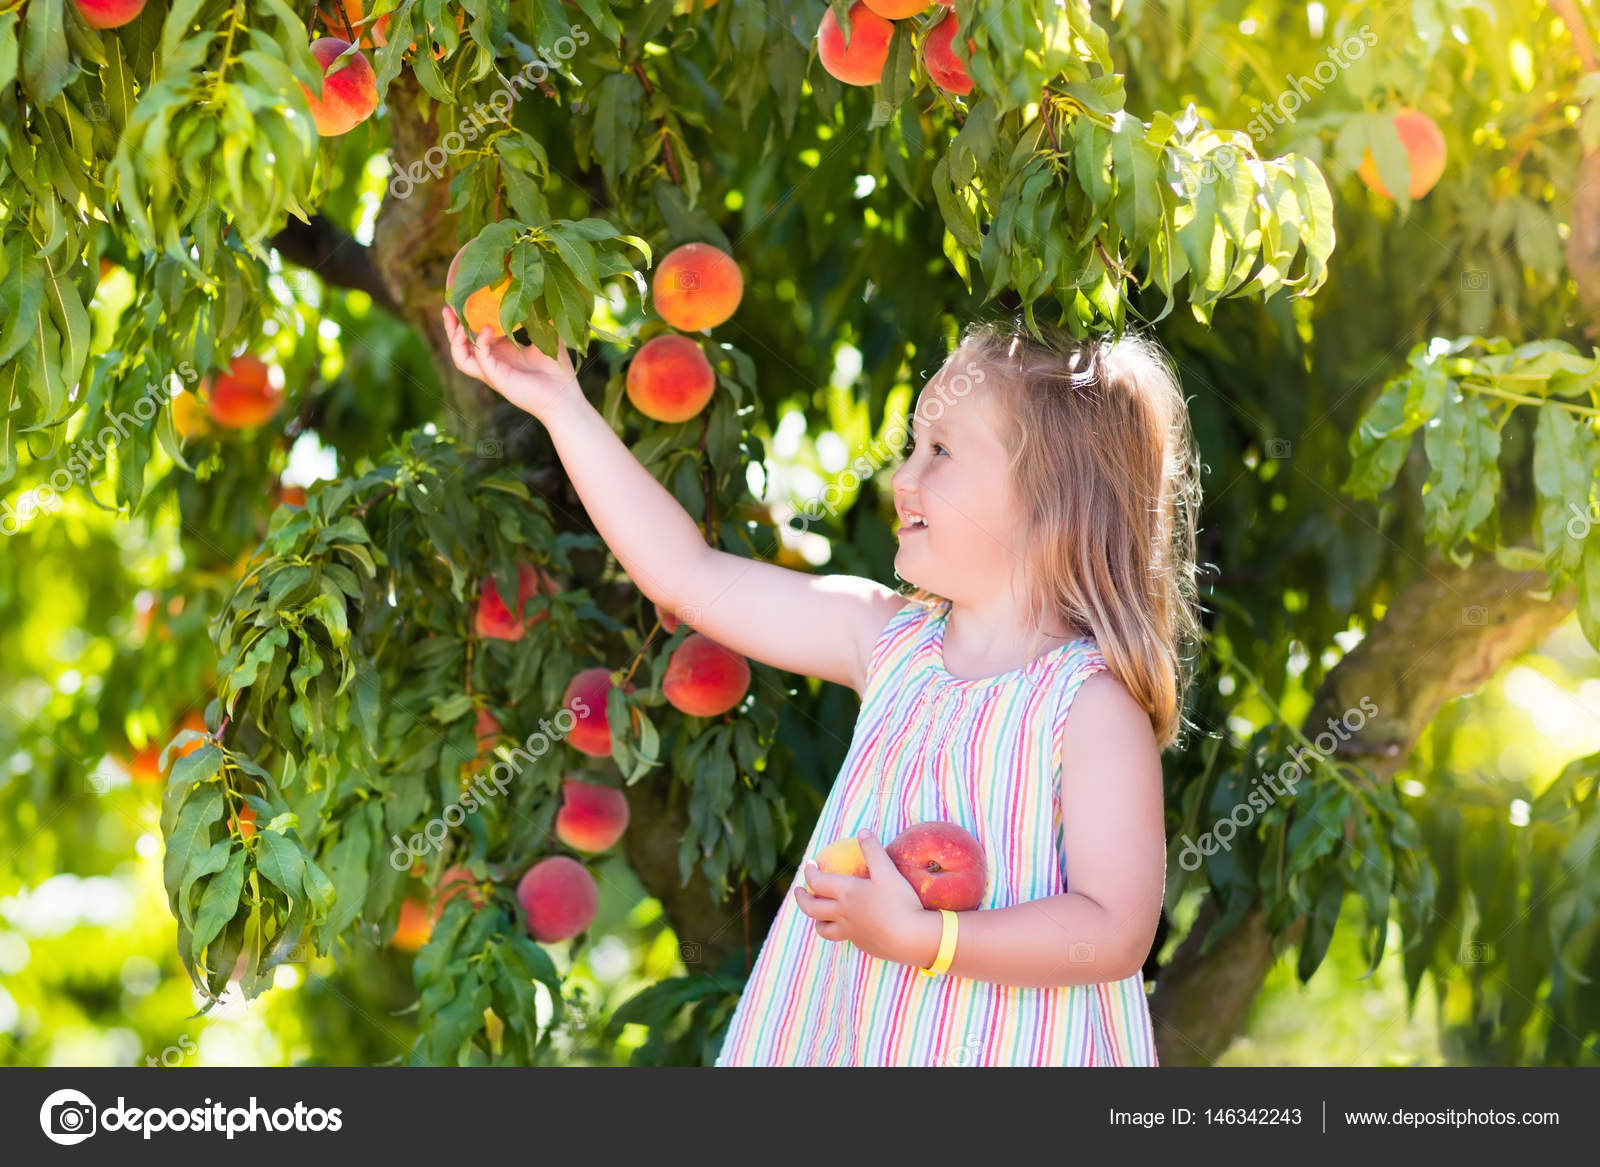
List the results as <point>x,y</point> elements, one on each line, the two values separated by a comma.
<point>347,869</point>
<point>1562,473</point>
<point>190,834</point>
<point>219,903</point>
<point>618,113</point>
<point>208,862</point>
<point>45,69</point>
<point>1320,925</point>
<point>1464,450</point>
<point>318,887</point>
<point>280,860</point>
<point>1589,589</point>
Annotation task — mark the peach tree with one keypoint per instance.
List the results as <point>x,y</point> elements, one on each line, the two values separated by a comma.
<point>189,188</point>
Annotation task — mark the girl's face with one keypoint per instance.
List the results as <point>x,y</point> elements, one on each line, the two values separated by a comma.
<point>959,521</point>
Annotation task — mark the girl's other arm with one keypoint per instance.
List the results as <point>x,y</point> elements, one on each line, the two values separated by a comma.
<point>1102,927</point>
<point>818,626</point>
<point>1098,930</point>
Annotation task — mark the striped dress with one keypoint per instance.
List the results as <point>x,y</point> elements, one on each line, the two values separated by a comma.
<point>984,754</point>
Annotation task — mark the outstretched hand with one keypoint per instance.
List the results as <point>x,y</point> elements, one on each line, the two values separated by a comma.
<point>525,377</point>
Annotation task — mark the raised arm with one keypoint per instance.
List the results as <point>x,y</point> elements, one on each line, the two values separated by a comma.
<point>819,626</point>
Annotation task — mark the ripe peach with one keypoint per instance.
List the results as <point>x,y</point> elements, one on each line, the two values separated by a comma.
<point>586,698</point>
<point>349,89</point>
<point>592,817</point>
<point>109,13</point>
<point>188,415</point>
<point>488,727</point>
<point>1425,151</point>
<point>939,55</point>
<point>944,863</point>
<point>697,286</point>
<point>670,379</point>
<point>896,9</point>
<point>414,928</point>
<point>145,765</point>
<point>559,896</point>
<point>244,396</point>
<point>843,857</point>
<point>482,309</point>
<point>862,62</point>
<point>703,678</point>
<point>291,496</point>
<point>494,621</point>
<point>246,822</point>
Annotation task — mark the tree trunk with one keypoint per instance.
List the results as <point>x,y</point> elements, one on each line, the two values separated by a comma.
<point>413,243</point>
<point>1444,636</point>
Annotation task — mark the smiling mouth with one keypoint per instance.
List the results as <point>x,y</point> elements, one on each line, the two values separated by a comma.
<point>913,526</point>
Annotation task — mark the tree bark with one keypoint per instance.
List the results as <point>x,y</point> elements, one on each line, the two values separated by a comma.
<point>1444,636</point>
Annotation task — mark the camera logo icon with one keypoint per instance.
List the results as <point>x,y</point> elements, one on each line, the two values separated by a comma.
<point>67,1117</point>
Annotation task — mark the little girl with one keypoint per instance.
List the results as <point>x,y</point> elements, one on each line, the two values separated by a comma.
<point>1046,526</point>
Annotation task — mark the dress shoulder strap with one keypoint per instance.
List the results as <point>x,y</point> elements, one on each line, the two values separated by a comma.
<point>1077,665</point>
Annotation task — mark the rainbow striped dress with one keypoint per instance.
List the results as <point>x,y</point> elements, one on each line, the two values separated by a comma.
<point>984,754</point>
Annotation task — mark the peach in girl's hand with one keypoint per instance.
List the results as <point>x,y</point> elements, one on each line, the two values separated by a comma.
<point>943,863</point>
<point>842,857</point>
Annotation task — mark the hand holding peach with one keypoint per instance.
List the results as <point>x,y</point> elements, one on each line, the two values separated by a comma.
<point>525,377</point>
<point>880,914</point>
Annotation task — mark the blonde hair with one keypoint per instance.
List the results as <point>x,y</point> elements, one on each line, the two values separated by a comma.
<point>1104,463</point>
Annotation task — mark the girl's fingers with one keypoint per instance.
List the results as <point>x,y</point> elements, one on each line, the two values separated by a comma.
<point>459,352</point>
<point>816,907</point>
<point>487,360</point>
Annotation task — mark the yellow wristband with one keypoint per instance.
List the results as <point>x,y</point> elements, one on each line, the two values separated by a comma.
<point>947,945</point>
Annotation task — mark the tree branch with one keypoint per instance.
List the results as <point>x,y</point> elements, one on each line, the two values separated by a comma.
<point>332,253</point>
